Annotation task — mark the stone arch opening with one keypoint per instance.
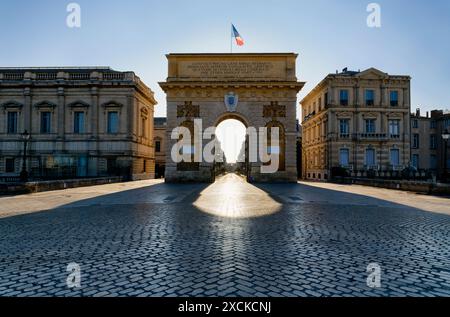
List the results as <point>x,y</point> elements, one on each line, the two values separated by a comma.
<point>231,134</point>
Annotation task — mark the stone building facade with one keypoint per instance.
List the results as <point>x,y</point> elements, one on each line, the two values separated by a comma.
<point>264,89</point>
<point>424,142</point>
<point>299,150</point>
<point>160,139</point>
<point>359,121</point>
<point>441,119</point>
<point>428,148</point>
<point>83,122</point>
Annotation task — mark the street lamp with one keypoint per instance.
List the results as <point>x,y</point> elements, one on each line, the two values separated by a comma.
<point>24,174</point>
<point>446,137</point>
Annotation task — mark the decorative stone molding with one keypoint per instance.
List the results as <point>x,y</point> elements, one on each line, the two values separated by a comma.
<point>12,105</point>
<point>345,114</point>
<point>274,110</point>
<point>45,105</point>
<point>112,104</point>
<point>395,114</point>
<point>78,104</point>
<point>370,115</point>
<point>188,110</point>
<point>144,112</point>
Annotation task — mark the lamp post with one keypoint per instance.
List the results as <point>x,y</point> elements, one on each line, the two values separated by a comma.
<point>446,137</point>
<point>24,174</point>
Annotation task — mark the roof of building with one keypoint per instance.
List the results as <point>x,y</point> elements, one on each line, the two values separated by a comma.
<point>58,75</point>
<point>58,69</point>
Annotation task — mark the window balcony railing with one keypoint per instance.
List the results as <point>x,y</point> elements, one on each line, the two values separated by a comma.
<point>79,76</point>
<point>347,166</point>
<point>113,76</point>
<point>344,135</point>
<point>372,167</point>
<point>13,76</point>
<point>371,136</point>
<point>46,76</point>
<point>396,167</point>
<point>394,136</point>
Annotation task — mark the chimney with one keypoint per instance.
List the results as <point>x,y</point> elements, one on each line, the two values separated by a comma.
<point>428,114</point>
<point>418,112</point>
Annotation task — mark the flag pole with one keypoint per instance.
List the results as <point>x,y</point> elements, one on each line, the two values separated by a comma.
<point>231,41</point>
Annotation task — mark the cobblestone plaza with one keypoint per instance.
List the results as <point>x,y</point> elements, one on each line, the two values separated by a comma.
<point>149,238</point>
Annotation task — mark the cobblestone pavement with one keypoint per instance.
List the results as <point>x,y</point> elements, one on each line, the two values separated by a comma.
<point>226,239</point>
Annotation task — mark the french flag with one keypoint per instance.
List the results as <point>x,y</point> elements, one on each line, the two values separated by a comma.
<point>237,36</point>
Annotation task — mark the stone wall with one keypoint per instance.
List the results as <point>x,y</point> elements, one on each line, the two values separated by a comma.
<point>414,186</point>
<point>34,187</point>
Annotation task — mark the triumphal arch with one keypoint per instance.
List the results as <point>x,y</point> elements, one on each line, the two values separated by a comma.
<point>260,90</point>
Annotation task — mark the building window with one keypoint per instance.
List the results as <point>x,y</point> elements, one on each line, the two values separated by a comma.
<point>415,160</point>
<point>46,122</point>
<point>344,155</point>
<point>143,127</point>
<point>326,100</point>
<point>370,157</point>
<point>433,124</point>
<point>9,165</point>
<point>145,166</point>
<point>433,161</point>
<point>158,146</point>
<point>394,98</point>
<point>113,122</point>
<point>395,157</point>
<point>370,97</point>
<point>370,126</point>
<point>433,142</point>
<point>416,141</point>
<point>394,127</point>
<point>415,124</point>
<point>344,126</point>
<point>343,97</point>
<point>447,123</point>
<point>12,122</point>
<point>78,122</point>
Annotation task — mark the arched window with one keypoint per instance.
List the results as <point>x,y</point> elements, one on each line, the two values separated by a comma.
<point>281,148</point>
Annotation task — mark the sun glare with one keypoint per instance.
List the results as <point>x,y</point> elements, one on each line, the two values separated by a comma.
<point>231,134</point>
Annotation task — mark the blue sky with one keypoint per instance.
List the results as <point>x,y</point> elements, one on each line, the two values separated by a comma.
<point>327,34</point>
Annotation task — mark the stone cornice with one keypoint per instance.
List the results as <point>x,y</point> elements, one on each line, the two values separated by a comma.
<point>229,84</point>
<point>12,105</point>
<point>45,104</point>
<point>112,104</point>
<point>78,104</point>
<point>61,77</point>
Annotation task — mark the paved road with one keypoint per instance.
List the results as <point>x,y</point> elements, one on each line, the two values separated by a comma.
<point>229,239</point>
